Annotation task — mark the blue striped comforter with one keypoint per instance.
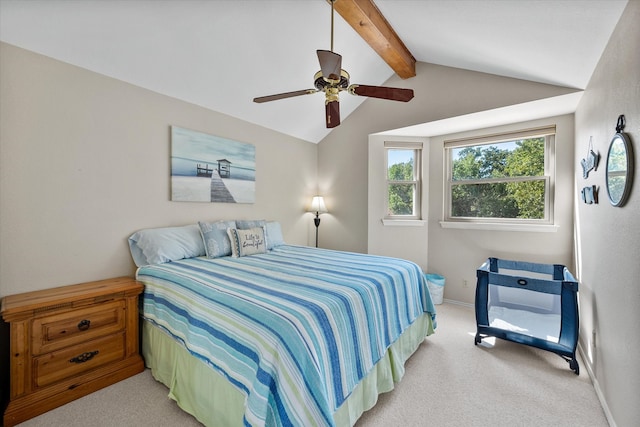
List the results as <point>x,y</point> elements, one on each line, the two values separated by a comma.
<point>294,329</point>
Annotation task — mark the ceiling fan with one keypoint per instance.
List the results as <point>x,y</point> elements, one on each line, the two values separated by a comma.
<point>332,79</point>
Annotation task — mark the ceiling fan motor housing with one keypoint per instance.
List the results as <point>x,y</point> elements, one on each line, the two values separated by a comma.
<point>321,82</point>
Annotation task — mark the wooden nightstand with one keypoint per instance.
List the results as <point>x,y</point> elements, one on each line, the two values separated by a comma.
<point>70,341</point>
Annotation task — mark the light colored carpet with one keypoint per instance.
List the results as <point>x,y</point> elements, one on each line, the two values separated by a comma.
<point>448,382</point>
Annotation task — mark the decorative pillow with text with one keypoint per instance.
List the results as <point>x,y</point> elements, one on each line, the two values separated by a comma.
<point>247,242</point>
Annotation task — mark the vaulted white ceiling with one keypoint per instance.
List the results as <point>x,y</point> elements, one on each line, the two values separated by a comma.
<point>221,54</point>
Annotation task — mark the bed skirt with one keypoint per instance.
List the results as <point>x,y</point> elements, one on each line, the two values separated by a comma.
<point>207,395</point>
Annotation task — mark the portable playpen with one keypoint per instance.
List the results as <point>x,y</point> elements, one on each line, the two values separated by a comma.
<point>529,303</point>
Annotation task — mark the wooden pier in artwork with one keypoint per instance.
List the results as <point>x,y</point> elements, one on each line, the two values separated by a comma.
<point>219,191</point>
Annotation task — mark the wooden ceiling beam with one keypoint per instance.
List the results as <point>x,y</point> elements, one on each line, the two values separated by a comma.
<point>366,19</point>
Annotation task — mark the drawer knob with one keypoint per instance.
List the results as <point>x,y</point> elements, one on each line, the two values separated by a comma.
<point>84,324</point>
<point>84,357</point>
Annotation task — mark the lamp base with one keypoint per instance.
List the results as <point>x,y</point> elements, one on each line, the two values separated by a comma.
<point>316,221</point>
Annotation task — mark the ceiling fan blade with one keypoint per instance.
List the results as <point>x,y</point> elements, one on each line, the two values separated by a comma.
<point>330,64</point>
<point>382,92</point>
<point>332,110</point>
<point>261,99</point>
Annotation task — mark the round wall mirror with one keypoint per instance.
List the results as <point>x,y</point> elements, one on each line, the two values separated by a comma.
<point>619,169</point>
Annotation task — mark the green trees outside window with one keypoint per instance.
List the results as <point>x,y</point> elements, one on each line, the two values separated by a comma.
<point>402,182</point>
<point>501,180</point>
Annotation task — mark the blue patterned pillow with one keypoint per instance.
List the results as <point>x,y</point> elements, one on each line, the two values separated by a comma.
<point>216,240</point>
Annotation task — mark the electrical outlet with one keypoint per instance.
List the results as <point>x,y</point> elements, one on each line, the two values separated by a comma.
<point>465,284</point>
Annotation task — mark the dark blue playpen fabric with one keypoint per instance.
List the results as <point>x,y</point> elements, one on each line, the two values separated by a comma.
<point>528,303</point>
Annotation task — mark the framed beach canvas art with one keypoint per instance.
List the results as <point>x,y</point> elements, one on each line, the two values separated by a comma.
<point>208,168</point>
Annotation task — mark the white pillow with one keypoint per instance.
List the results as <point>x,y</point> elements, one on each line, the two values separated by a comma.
<point>247,242</point>
<point>160,245</point>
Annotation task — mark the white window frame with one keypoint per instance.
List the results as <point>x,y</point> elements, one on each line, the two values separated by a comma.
<point>514,224</point>
<point>417,148</point>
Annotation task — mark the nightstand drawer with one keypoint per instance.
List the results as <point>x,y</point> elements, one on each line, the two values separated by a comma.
<point>61,330</point>
<point>75,360</point>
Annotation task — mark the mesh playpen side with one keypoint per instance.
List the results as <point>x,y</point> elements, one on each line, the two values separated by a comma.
<point>528,303</point>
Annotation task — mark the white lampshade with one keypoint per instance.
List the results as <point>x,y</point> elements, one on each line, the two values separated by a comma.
<point>317,205</point>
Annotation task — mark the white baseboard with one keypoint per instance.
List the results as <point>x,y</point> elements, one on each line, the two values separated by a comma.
<point>464,304</point>
<point>596,386</point>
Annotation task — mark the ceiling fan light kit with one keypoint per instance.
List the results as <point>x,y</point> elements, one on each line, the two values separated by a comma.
<point>332,79</point>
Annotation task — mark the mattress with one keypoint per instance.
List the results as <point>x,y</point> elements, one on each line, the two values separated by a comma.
<point>294,331</point>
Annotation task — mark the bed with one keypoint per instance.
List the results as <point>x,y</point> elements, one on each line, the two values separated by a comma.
<point>288,335</point>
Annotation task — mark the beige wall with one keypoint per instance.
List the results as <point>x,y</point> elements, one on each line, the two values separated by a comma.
<point>84,162</point>
<point>440,92</point>
<point>608,238</point>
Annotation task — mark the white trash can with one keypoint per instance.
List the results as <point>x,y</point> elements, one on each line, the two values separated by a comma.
<point>435,282</point>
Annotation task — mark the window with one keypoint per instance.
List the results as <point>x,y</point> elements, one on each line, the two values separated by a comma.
<point>505,178</point>
<point>404,176</point>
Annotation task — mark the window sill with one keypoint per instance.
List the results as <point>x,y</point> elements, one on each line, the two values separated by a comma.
<point>404,222</point>
<point>492,226</point>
